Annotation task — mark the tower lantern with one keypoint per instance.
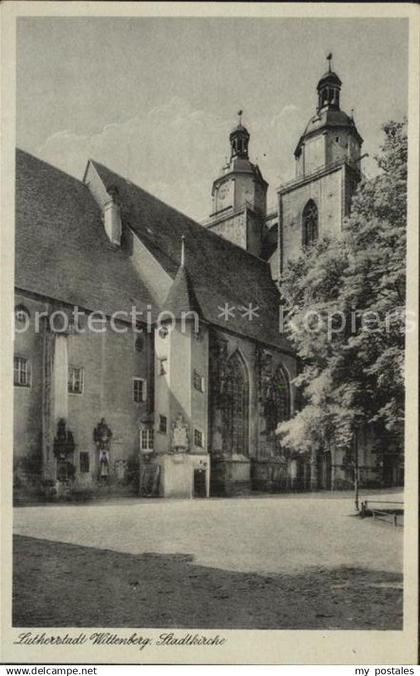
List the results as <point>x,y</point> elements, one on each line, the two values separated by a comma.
<point>239,139</point>
<point>327,155</point>
<point>239,196</point>
<point>329,89</point>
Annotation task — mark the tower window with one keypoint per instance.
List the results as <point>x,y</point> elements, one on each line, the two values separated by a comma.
<point>310,223</point>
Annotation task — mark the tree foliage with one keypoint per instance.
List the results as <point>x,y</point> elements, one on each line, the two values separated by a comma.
<point>345,303</point>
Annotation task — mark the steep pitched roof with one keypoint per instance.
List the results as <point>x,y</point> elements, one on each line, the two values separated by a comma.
<point>62,250</point>
<point>181,297</point>
<point>220,272</point>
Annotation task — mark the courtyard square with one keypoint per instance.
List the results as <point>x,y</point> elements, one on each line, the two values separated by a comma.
<point>258,562</point>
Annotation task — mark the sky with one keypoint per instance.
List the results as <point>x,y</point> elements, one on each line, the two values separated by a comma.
<point>154,99</point>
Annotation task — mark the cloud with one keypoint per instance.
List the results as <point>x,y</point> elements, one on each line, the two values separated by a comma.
<point>287,112</point>
<point>175,151</point>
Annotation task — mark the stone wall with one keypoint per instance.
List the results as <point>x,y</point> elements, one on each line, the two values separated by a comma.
<point>27,408</point>
<point>110,361</point>
<point>327,193</point>
<point>233,229</point>
<point>231,467</point>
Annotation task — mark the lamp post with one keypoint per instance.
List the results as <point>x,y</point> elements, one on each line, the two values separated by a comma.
<point>356,471</point>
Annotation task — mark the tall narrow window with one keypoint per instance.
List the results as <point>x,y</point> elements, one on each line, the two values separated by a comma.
<point>198,380</point>
<point>146,439</point>
<point>277,400</point>
<point>310,223</point>
<point>198,438</point>
<point>139,390</point>
<point>22,377</point>
<point>75,382</point>
<point>236,402</point>
<point>84,462</point>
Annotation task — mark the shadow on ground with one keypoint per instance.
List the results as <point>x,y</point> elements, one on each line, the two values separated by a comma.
<point>57,584</point>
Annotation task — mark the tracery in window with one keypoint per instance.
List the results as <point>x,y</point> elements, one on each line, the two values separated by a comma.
<point>236,406</point>
<point>277,405</point>
<point>310,223</point>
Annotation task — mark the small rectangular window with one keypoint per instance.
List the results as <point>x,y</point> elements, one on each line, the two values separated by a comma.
<point>198,381</point>
<point>163,424</point>
<point>139,390</point>
<point>75,382</point>
<point>146,440</point>
<point>163,366</point>
<point>22,376</point>
<point>198,438</point>
<point>84,462</point>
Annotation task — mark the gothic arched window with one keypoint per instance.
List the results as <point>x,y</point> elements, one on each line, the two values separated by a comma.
<point>236,404</point>
<point>283,394</point>
<point>309,223</point>
<point>277,407</point>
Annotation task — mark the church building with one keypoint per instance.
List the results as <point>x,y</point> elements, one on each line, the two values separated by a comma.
<point>148,354</point>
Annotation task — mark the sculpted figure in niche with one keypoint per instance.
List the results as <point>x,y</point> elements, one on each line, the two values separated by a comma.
<point>102,435</point>
<point>180,434</point>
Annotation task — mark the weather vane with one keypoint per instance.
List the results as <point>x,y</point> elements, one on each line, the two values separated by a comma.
<point>240,116</point>
<point>329,59</point>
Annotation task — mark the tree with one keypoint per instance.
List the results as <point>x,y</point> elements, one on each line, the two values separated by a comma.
<point>345,303</point>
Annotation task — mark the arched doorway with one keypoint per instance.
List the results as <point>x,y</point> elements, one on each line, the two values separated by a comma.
<point>236,406</point>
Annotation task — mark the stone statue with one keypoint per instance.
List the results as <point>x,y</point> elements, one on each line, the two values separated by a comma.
<point>102,435</point>
<point>103,465</point>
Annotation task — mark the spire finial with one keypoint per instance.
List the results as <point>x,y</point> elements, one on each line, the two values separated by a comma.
<point>240,113</point>
<point>329,59</point>
<point>183,250</point>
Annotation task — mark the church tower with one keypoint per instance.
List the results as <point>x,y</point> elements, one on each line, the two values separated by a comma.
<point>327,157</point>
<point>239,196</point>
